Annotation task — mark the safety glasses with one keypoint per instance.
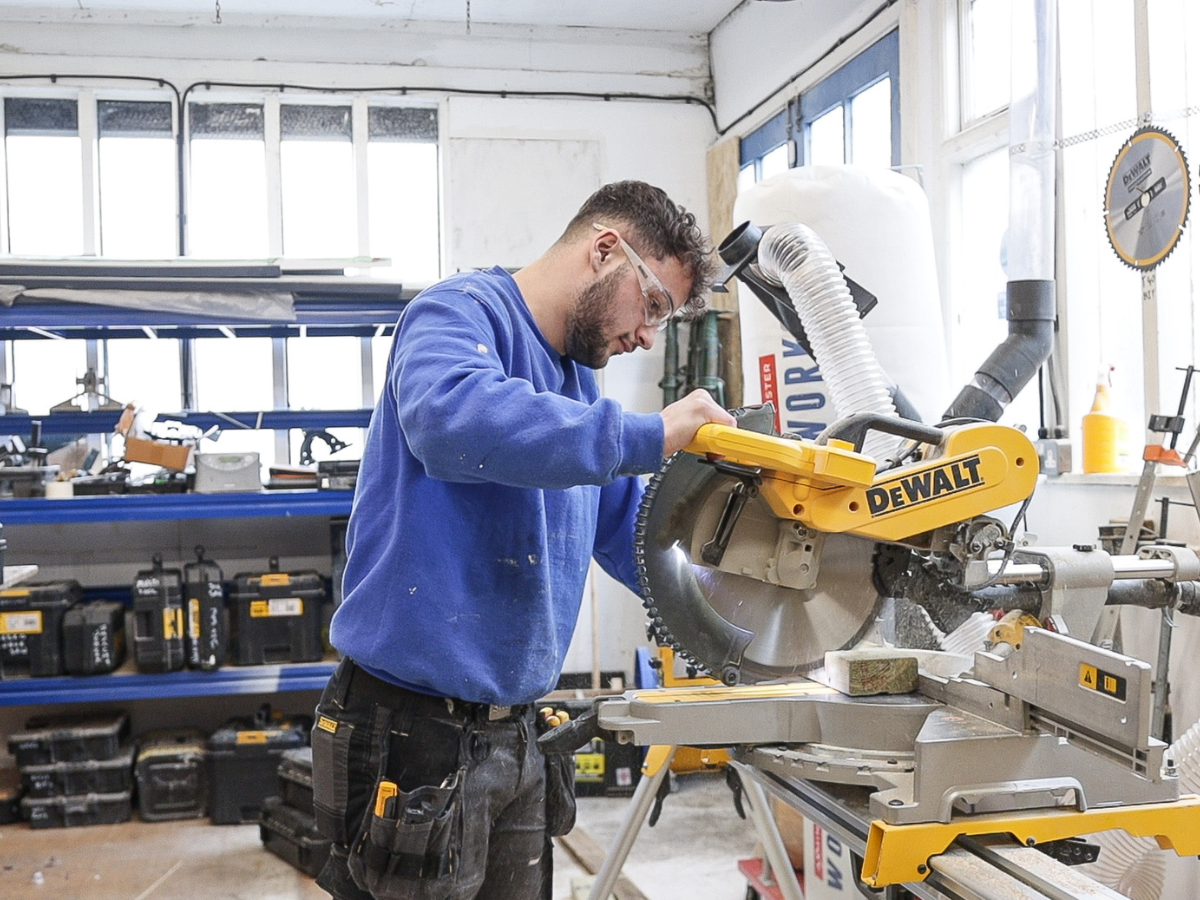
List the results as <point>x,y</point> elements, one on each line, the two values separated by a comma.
<point>659,305</point>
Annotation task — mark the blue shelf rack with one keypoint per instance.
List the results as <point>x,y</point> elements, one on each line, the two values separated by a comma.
<point>122,687</point>
<point>153,507</point>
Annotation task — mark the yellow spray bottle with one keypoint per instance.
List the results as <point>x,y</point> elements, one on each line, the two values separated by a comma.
<point>1102,430</point>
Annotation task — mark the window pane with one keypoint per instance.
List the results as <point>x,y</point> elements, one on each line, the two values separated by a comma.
<point>324,373</point>
<point>775,161</point>
<point>381,349</point>
<point>145,372</point>
<point>745,178</point>
<point>234,375</point>
<point>403,208</point>
<point>137,197</point>
<point>227,216</point>
<point>44,373</point>
<point>988,64</point>
<point>319,218</point>
<point>871,126</point>
<point>826,139</point>
<point>45,195</point>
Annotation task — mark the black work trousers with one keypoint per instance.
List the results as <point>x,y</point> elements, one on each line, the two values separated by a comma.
<point>468,819</point>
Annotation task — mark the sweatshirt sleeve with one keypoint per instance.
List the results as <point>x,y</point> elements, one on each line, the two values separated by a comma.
<point>615,523</point>
<point>466,420</point>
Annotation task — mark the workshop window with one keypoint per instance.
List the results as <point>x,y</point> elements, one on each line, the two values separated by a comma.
<point>227,199</point>
<point>984,76</point>
<point>402,173</point>
<point>44,372</point>
<point>44,176</point>
<point>144,371</point>
<point>316,161</point>
<point>137,179</point>
<point>851,116</point>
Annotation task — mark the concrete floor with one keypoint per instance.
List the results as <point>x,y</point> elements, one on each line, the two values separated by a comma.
<point>691,852</point>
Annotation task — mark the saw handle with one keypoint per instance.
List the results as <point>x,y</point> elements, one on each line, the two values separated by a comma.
<point>853,429</point>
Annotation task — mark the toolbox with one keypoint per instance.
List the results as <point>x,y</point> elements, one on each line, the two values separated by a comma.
<point>204,590</point>
<point>171,779</point>
<point>295,779</point>
<point>158,619</point>
<point>276,616</point>
<point>93,636</point>
<point>292,835</point>
<point>31,628</point>
<point>84,809</point>
<point>243,764</point>
<point>69,739</point>
<point>89,776</point>
<point>10,796</point>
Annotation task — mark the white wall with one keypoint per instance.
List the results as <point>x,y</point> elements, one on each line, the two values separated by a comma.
<point>555,152</point>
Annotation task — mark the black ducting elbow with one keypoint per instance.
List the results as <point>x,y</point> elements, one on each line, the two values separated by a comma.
<point>1031,314</point>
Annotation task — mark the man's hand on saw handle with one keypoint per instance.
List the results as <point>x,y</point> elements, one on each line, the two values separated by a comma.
<point>683,418</point>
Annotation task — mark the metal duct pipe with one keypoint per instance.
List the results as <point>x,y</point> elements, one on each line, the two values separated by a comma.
<point>1030,247</point>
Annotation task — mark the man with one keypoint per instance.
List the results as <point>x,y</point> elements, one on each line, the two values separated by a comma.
<point>493,472</point>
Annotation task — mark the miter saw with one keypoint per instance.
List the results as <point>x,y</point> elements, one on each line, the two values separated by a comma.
<point>760,553</point>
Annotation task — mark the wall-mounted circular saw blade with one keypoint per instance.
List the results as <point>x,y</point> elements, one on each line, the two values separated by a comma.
<point>737,626</point>
<point>1147,198</point>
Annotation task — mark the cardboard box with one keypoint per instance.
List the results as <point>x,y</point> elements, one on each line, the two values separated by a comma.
<point>156,453</point>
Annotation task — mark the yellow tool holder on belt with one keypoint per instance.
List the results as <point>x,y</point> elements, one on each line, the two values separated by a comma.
<point>897,854</point>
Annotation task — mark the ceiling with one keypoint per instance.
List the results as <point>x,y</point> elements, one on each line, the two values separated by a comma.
<point>686,16</point>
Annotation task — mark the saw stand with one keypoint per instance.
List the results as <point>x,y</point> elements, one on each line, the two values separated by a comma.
<point>972,869</point>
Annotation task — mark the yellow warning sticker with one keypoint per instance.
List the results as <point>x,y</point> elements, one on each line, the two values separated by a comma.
<point>25,622</point>
<point>276,579</point>
<point>1087,676</point>
<point>327,724</point>
<point>1102,682</point>
<point>15,592</point>
<point>251,737</point>
<point>194,619</point>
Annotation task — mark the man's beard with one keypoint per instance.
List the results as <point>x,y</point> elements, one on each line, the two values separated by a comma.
<point>591,322</point>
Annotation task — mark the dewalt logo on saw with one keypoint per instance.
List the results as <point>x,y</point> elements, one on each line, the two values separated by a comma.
<point>923,487</point>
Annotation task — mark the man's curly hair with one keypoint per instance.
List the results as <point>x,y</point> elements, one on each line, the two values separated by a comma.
<point>655,227</point>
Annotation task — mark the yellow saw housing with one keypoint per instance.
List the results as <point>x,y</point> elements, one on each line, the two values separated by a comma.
<point>977,468</point>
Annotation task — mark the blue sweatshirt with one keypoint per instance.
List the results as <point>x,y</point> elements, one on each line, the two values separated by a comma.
<point>492,472</point>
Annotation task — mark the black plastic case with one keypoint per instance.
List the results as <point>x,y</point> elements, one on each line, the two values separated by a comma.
<point>207,632</point>
<point>292,835</point>
<point>89,776</point>
<point>243,764</point>
<point>276,616</point>
<point>296,780</point>
<point>158,619</point>
<point>171,776</point>
<point>85,809</point>
<point>48,740</point>
<point>10,796</point>
<point>31,628</point>
<point>94,637</point>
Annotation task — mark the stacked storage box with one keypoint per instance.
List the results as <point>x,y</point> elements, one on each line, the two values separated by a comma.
<point>170,774</point>
<point>276,616</point>
<point>287,827</point>
<point>243,763</point>
<point>75,770</point>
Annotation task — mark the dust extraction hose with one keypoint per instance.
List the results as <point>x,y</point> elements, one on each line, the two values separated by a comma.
<point>794,256</point>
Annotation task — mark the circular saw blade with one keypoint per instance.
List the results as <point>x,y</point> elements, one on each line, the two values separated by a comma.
<point>738,627</point>
<point>1147,198</point>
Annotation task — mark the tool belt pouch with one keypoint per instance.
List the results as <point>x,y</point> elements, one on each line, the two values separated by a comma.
<point>331,776</point>
<point>411,852</point>
<point>560,793</point>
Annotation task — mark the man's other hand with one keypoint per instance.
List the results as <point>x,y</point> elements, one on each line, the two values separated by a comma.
<point>683,418</point>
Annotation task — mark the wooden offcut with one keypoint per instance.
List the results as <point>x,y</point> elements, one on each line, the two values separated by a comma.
<point>864,673</point>
<point>590,856</point>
